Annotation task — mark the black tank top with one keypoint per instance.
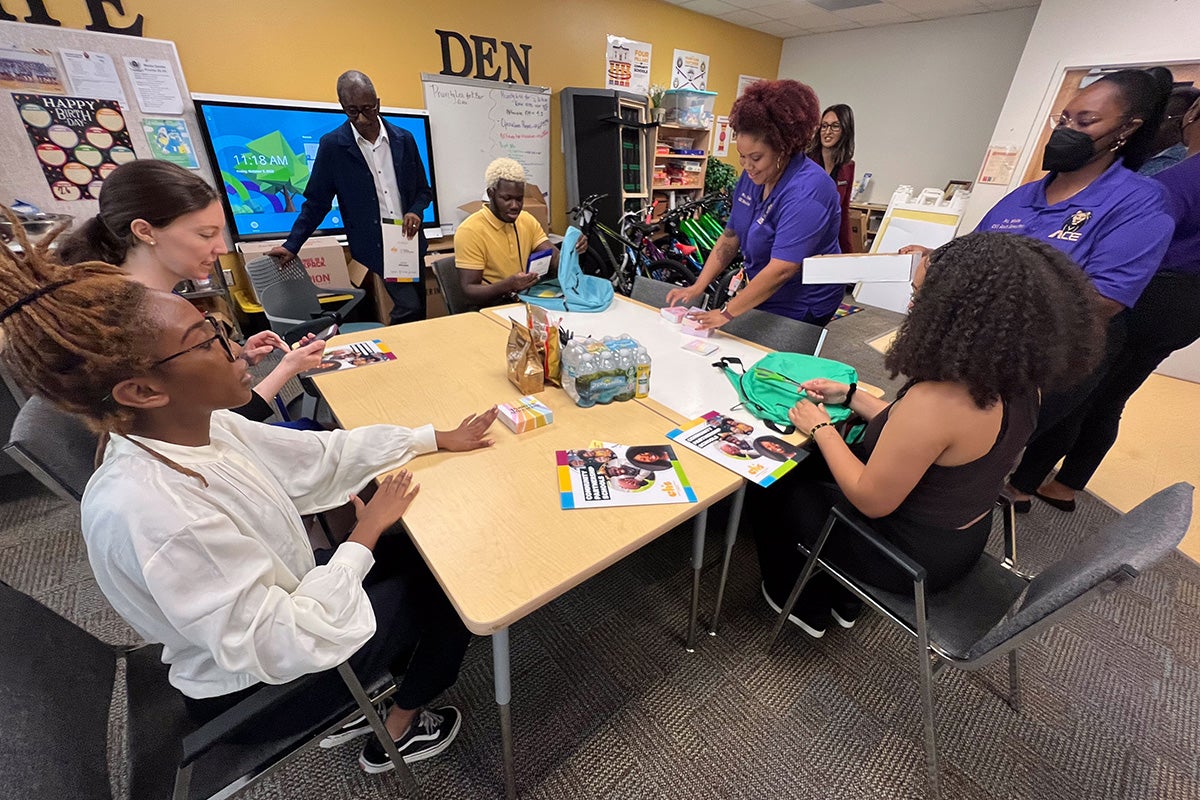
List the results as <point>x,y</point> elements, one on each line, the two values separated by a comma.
<point>950,497</point>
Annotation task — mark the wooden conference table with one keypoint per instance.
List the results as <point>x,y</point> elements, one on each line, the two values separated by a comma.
<point>488,523</point>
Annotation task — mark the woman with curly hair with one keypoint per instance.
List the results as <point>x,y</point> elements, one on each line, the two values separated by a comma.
<point>785,208</point>
<point>192,519</point>
<point>833,149</point>
<point>995,319</point>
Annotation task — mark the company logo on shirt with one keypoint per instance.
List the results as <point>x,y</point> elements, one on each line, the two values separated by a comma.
<point>1071,229</point>
<point>744,199</point>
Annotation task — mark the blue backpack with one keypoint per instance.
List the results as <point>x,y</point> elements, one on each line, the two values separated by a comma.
<point>571,290</point>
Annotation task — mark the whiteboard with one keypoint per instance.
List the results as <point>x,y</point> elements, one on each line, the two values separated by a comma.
<point>473,122</point>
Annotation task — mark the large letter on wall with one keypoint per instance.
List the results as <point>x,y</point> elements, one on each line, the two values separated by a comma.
<point>38,14</point>
<point>447,58</point>
<point>101,23</point>
<point>522,66</point>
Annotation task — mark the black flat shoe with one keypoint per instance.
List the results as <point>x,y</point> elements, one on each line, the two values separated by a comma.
<point>1022,506</point>
<point>1062,505</point>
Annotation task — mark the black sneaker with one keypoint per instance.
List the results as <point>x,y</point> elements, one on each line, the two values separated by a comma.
<point>354,728</point>
<point>810,621</point>
<point>846,611</point>
<point>430,733</point>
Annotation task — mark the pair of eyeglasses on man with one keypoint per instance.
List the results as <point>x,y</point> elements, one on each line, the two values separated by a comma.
<point>218,336</point>
<point>361,111</point>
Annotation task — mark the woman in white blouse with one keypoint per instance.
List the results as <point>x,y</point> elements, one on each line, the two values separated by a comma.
<point>192,521</point>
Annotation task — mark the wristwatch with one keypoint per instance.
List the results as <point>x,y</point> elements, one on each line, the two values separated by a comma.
<point>725,313</point>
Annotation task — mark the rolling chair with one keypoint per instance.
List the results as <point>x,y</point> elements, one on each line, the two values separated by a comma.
<point>292,303</point>
<point>53,446</point>
<point>451,282</point>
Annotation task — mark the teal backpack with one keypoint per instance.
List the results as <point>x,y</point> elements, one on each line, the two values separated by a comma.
<point>571,290</point>
<point>772,386</point>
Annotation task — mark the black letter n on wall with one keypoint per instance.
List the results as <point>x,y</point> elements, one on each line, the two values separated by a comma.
<point>100,20</point>
<point>447,56</point>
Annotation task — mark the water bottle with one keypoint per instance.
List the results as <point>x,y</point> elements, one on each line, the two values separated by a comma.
<point>627,366</point>
<point>586,397</point>
<point>642,357</point>
<point>570,367</point>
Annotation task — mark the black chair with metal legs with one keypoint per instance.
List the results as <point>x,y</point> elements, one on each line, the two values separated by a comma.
<point>994,610</point>
<point>56,686</point>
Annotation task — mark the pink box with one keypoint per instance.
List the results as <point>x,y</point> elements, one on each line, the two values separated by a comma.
<point>690,327</point>
<point>673,314</point>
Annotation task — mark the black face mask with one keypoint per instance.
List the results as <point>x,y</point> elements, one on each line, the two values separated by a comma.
<point>1067,150</point>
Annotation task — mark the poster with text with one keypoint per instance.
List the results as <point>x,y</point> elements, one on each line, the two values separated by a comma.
<point>999,165</point>
<point>689,70</point>
<point>627,65</point>
<point>744,81</point>
<point>78,141</point>
<point>93,75</point>
<point>29,69</point>
<point>606,475</point>
<point>721,136</point>
<point>155,85</point>
<point>170,140</point>
<point>752,451</point>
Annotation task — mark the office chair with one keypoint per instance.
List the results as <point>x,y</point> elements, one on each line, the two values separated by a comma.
<point>449,279</point>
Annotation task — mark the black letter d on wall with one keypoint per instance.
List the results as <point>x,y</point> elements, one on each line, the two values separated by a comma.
<point>447,57</point>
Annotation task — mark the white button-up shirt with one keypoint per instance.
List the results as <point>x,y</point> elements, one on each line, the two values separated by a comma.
<point>379,160</point>
<point>224,576</point>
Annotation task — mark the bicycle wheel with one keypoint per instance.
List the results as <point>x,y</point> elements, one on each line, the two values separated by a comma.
<point>669,271</point>
<point>592,263</point>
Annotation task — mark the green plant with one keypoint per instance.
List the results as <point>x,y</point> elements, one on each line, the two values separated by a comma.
<point>657,91</point>
<point>719,177</point>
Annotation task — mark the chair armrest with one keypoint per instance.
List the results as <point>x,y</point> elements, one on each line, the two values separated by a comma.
<point>356,295</point>
<point>315,325</point>
<point>902,560</point>
<point>244,714</point>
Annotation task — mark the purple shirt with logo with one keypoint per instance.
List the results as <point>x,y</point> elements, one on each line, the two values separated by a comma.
<point>1182,183</point>
<point>800,218</point>
<point>1116,229</point>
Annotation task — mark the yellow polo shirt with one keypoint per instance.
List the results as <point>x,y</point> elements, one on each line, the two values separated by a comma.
<point>484,242</point>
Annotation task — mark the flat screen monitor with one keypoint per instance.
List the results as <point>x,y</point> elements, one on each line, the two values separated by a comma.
<point>263,150</point>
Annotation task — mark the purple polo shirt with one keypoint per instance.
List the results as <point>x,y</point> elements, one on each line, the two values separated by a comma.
<point>1182,183</point>
<point>800,218</point>
<point>1116,229</point>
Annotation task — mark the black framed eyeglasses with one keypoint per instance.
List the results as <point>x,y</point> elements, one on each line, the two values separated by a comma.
<point>831,126</point>
<point>354,112</point>
<point>218,336</point>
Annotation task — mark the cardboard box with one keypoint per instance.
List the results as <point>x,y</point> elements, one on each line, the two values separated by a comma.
<point>535,204</point>
<point>525,414</point>
<point>322,256</point>
<point>435,303</point>
<point>865,267</point>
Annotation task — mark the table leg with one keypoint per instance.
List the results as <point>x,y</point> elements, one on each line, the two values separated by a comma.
<point>502,675</point>
<point>698,528</point>
<point>731,532</point>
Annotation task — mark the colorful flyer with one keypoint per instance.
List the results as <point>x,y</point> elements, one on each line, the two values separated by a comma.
<point>689,70</point>
<point>170,140</point>
<point>349,356</point>
<point>621,475</point>
<point>751,451</point>
<point>627,65</point>
<point>78,141</point>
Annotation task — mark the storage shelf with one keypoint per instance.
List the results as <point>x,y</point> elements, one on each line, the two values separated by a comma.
<point>674,155</point>
<point>679,187</point>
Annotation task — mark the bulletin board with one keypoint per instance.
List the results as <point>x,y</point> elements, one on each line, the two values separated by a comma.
<point>24,175</point>
<point>1073,81</point>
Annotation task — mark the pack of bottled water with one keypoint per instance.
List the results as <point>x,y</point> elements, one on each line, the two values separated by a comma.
<point>615,368</point>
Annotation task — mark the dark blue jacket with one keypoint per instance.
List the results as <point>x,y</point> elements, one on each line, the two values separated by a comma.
<point>340,169</point>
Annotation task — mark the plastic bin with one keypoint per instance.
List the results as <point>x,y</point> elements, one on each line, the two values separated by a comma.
<point>689,108</point>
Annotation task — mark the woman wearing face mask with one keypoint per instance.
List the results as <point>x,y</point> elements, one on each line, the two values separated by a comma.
<point>1166,318</point>
<point>833,149</point>
<point>163,224</point>
<point>1111,221</point>
<point>785,208</point>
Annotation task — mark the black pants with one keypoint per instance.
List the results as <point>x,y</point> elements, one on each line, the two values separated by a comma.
<point>1165,319</point>
<point>418,636</point>
<point>795,509</point>
<point>408,302</point>
<point>1062,415</point>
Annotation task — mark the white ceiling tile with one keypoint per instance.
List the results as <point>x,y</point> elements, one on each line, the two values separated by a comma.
<point>844,25</point>
<point>780,29</point>
<point>710,7</point>
<point>997,5</point>
<point>778,10</point>
<point>881,14</point>
<point>743,17</point>
<point>942,8</point>
<point>751,4</point>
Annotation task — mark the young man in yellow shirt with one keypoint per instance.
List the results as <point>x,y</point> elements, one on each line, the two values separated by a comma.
<point>492,247</point>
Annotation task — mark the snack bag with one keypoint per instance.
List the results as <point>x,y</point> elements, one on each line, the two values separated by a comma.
<point>545,338</point>
<point>524,366</point>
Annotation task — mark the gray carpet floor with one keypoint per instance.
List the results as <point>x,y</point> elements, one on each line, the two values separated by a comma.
<point>607,704</point>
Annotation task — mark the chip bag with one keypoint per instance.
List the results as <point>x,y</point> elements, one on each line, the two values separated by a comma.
<point>524,364</point>
<point>545,338</point>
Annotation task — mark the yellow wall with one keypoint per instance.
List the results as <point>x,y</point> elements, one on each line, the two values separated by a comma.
<point>296,49</point>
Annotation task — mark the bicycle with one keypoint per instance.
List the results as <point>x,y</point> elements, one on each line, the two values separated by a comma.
<point>639,254</point>
<point>703,230</point>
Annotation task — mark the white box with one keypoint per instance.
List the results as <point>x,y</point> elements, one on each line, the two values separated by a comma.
<point>323,258</point>
<point>860,267</point>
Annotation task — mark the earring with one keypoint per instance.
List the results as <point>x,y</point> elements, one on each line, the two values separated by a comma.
<point>152,242</point>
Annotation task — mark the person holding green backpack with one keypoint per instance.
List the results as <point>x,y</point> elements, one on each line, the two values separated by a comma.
<point>996,319</point>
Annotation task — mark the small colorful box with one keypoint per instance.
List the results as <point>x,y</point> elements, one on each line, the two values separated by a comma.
<point>692,327</point>
<point>673,314</point>
<point>525,414</point>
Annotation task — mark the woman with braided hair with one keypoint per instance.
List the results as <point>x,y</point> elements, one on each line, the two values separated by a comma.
<point>163,224</point>
<point>192,520</point>
<point>995,319</point>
